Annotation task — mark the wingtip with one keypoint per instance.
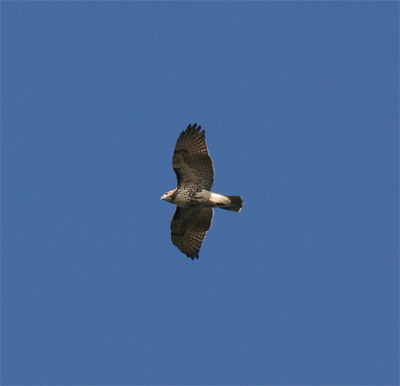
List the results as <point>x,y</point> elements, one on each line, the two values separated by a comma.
<point>194,126</point>
<point>193,256</point>
<point>191,129</point>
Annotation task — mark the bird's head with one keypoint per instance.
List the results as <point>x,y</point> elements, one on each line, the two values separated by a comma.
<point>168,196</point>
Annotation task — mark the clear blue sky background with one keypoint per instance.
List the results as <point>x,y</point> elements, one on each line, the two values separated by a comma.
<point>300,104</point>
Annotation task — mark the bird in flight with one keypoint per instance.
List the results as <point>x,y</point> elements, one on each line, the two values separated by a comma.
<point>193,197</point>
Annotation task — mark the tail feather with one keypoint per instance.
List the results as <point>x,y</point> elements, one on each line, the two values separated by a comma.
<point>236,203</point>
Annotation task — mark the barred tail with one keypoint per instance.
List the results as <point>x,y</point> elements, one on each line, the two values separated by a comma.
<point>236,203</point>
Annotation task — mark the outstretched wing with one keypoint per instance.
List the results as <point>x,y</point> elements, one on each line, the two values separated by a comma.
<point>191,161</point>
<point>189,227</point>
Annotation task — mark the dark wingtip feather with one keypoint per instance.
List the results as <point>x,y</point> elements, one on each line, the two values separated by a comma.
<point>191,130</point>
<point>195,126</point>
<point>191,127</point>
<point>192,255</point>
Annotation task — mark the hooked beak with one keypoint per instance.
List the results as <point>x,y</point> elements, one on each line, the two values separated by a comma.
<point>162,197</point>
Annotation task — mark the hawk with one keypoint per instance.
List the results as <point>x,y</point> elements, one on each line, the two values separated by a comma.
<point>193,197</point>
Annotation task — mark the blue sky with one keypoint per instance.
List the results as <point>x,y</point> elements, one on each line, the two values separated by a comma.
<point>300,104</point>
